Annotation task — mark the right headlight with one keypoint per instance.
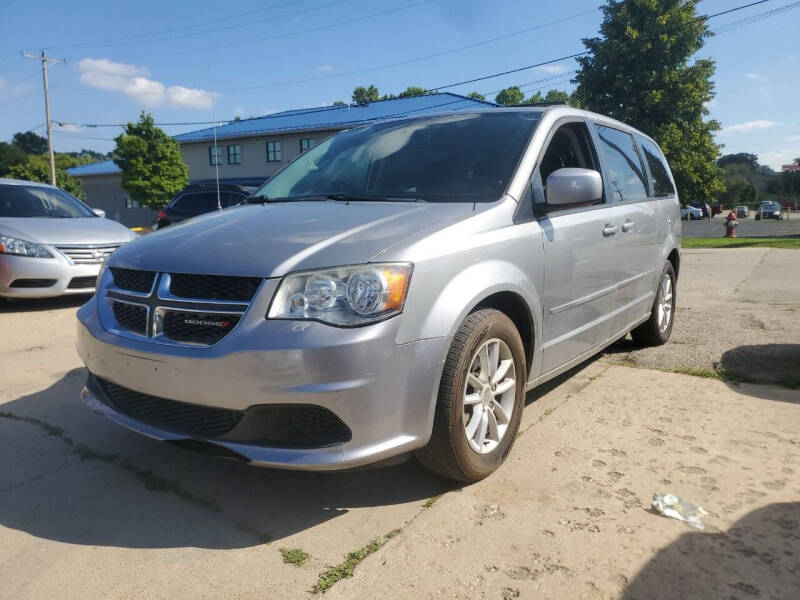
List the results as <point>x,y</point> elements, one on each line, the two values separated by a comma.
<point>18,247</point>
<point>343,296</point>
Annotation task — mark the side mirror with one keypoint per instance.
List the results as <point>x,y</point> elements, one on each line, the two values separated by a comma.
<point>565,187</point>
<point>99,212</point>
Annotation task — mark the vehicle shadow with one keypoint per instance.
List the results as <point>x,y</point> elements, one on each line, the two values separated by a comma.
<point>20,305</point>
<point>764,363</point>
<point>757,557</point>
<point>69,475</point>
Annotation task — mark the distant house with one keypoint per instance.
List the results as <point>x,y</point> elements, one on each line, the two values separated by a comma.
<point>259,147</point>
<point>102,184</point>
<point>793,168</point>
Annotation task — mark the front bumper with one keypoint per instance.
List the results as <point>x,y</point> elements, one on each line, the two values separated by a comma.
<point>57,269</point>
<point>384,392</point>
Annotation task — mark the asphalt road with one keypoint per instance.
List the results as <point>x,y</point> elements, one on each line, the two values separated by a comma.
<point>89,510</point>
<point>746,227</point>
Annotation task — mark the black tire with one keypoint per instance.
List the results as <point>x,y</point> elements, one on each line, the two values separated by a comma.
<point>649,333</point>
<point>449,453</point>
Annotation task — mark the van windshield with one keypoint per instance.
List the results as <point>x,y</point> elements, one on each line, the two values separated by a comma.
<point>452,158</point>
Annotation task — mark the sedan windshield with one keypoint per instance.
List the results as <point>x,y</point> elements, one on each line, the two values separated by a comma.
<point>36,201</point>
<point>453,158</point>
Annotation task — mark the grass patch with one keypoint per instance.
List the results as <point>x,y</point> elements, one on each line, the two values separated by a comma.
<point>723,242</point>
<point>328,578</point>
<point>432,500</point>
<point>294,556</point>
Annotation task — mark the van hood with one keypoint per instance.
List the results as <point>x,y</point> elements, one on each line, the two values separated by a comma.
<point>271,240</point>
<point>64,232</point>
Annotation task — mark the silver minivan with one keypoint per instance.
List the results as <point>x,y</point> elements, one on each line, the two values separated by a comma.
<point>397,289</point>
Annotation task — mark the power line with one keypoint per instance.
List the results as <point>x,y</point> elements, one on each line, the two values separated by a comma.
<point>283,35</point>
<point>94,43</point>
<point>757,17</point>
<point>725,12</point>
<point>224,28</point>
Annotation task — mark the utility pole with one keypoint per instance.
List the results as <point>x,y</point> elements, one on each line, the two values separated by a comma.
<point>45,61</point>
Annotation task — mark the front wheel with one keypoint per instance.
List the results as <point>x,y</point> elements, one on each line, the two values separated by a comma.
<point>657,329</point>
<point>480,402</point>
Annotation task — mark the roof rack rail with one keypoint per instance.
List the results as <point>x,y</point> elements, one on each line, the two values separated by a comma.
<point>554,103</point>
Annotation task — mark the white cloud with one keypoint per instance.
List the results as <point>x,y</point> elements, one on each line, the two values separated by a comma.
<point>749,126</point>
<point>557,69</point>
<point>756,76</point>
<point>793,138</point>
<point>12,90</point>
<point>325,68</point>
<point>778,158</point>
<point>131,80</point>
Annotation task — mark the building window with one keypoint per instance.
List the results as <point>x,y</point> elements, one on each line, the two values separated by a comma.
<point>214,155</point>
<point>273,152</point>
<point>234,154</point>
<point>131,203</point>
<point>307,144</point>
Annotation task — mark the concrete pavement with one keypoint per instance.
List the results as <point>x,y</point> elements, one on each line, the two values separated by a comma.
<point>89,510</point>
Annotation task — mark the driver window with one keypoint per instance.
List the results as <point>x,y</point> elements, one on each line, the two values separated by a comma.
<point>570,147</point>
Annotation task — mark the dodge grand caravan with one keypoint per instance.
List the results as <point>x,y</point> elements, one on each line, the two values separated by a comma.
<point>396,289</point>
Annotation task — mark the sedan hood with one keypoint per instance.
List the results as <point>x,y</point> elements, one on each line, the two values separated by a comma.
<point>64,232</point>
<point>273,239</point>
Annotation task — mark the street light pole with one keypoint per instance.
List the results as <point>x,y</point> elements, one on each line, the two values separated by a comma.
<point>45,61</point>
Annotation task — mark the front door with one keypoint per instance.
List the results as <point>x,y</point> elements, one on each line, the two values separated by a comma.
<point>581,273</point>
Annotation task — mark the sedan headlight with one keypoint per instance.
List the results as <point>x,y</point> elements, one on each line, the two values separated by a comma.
<point>344,296</point>
<point>17,247</point>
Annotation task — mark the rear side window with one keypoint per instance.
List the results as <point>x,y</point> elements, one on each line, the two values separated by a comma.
<point>623,166</point>
<point>662,184</point>
<point>200,202</point>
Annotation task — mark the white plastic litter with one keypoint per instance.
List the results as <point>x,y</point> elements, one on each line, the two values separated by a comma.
<point>679,508</point>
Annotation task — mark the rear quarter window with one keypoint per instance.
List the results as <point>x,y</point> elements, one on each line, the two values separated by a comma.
<point>659,171</point>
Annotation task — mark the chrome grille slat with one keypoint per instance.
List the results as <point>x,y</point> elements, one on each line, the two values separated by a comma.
<point>88,254</point>
<point>173,320</point>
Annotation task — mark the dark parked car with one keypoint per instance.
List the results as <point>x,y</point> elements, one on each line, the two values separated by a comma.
<point>704,207</point>
<point>201,197</point>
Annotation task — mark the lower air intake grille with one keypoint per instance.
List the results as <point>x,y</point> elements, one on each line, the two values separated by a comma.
<point>82,283</point>
<point>293,426</point>
<point>214,287</point>
<point>131,317</point>
<point>32,283</point>
<point>180,417</point>
<point>133,280</point>
<point>197,328</point>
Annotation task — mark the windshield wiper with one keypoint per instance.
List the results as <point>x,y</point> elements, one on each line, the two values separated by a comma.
<point>360,198</point>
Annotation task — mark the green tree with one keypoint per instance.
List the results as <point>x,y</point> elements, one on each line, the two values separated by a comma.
<point>30,142</point>
<point>339,103</point>
<point>10,155</point>
<point>511,96</point>
<point>742,158</point>
<point>153,170</point>
<point>364,95</point>
<point>37,168</point>
<point>551,96</point>
<point>412,90</point>
<point>638,71</point>
<point>476,96</point>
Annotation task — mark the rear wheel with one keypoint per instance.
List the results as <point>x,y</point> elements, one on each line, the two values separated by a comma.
<point>657,329</point>
<point>480,402</point>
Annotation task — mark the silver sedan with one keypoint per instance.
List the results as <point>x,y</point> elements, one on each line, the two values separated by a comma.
<point>51,243</point>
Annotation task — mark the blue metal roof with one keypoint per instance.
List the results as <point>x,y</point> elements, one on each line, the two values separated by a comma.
<point>337,117</point>
<point>106,167</point>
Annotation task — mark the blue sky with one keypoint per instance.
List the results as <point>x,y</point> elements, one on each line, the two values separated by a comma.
<point>192,60</point>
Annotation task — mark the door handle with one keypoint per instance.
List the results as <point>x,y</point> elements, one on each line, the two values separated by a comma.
<point>610,230</point>
<point>627,226</point>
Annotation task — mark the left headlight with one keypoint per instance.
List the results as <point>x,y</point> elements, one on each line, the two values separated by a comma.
<point>343,296</point>
<point>17,247</point>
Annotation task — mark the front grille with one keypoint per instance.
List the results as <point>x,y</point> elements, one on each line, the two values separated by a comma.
<point>197,328</point>
<point>82,283</point>
<point>180,417</point>
<point>133,280</point>
<point>32,283</point>
<point>214,287</point>
<point>89,254</point>
<point>131,316</point>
